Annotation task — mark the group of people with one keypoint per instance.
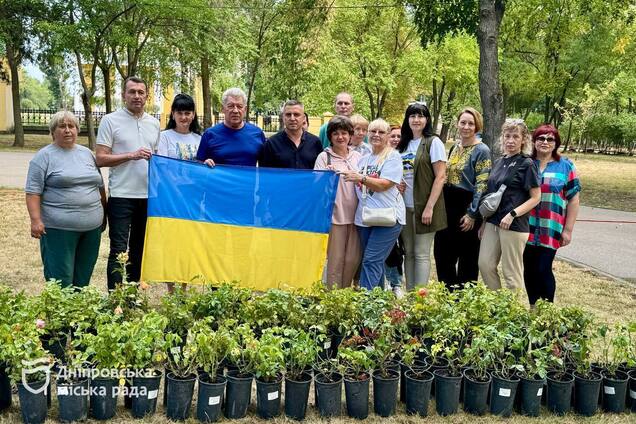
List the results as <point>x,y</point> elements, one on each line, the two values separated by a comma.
<point>399,190</point>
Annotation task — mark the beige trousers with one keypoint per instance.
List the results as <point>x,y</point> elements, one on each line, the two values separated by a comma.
<point>504,245</point>
<point>343,255</point>
<point>417,252</point>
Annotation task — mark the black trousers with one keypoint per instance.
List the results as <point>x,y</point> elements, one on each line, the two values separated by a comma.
<point>457,252</point>
<point>537,273</point>
<point>127,230</point>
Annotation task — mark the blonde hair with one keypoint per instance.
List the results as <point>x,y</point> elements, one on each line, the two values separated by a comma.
<point>358,120</point>
<point>479,121</point>
<point>60,117</point>
<point>383,125</point>
<point>512,124</point>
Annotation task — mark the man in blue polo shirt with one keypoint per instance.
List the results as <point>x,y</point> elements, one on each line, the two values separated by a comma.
<point>234,141</point>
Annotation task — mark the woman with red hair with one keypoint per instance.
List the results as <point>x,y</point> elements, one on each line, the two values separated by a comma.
<point>552,220</point>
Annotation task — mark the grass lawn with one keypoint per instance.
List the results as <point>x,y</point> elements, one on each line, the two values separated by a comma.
<point>610,301</point>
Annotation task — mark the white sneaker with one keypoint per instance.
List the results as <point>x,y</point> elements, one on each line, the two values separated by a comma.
<point>397,291</point>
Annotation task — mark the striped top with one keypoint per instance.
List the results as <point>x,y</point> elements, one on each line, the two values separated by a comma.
<point>559,184</point>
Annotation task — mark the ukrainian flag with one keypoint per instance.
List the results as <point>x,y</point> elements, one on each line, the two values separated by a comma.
<point>262,227</point>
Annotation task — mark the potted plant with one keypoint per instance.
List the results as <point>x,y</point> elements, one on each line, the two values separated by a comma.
<point>328,387</point>
<point>29,366</point>
<point>384,344</point>
<point>212,349</point>
<point>532,370</point>
<point>587,383</point>
<point>104,352</point>
<point>417,380</point>
<point>615,348</point>
<point>504,379</point>
<point>181,367</point>
<point>478,356</point>
<point>269,364</point>
<point>340,313</point>
<point>72,382</point>
<point>560,381</point>
<point>145,353</point>
<point>242,354</point>
<point>301,351</point>
<point>354,359</point>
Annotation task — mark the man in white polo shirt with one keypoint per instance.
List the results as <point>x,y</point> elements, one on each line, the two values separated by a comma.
<point>125,141</point>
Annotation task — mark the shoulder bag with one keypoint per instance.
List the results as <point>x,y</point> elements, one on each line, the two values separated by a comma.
<point>491,201</point>
<point>376,217</point>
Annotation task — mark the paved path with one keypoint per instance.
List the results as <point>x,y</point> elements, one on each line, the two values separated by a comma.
<point>603,239</point>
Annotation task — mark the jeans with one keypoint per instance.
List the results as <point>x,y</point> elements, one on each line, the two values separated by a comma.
<point>376,244</point>
<point>537,273</point>
<point>393,276</point>
<point>417,252</point>
<point>127,230</point>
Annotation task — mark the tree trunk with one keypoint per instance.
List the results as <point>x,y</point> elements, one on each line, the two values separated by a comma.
<point>108,95</point>
<point>87,94</point>
<point>567,140</point>
<point>14,59</point>
<point>490,14</point>
<point>205,89</point>
<point>90,124</point>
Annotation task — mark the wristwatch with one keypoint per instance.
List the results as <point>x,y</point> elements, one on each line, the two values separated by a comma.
<point>364,178</point>
<point>513,213</point>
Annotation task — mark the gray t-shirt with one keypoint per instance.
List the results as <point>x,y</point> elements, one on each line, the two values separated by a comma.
<point>68,182</point>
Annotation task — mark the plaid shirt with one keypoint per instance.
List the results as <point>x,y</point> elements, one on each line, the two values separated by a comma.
<point>559,184</point>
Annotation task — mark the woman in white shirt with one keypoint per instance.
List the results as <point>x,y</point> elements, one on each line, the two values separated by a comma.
<point>424,164</point>
<point>181,138</point>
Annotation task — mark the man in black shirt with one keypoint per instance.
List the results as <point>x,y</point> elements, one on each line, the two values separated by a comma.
<point>291,147</point>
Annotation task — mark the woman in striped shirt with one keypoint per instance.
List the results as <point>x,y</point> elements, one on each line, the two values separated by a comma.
<point>552,220</point>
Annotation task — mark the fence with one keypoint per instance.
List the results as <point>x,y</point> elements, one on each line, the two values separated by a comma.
<point>37,120</point>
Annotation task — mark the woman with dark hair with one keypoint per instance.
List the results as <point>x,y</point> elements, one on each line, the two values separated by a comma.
<point>504,233</point>
<point>182,136</point>
<point>552,220</point>
<point>424,165</point>
<point>457,247</point>
<point>393,264</point>
<point>343,250</point>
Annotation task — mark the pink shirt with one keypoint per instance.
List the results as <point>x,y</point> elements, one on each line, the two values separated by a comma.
<point>344,209</point>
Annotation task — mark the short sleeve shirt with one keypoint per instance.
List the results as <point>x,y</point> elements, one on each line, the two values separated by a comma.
<point>390,169</point>
<point>68,182</point>
<point>179,146</point>
<point>280,152</point>
<point>124,133</point>
<point>438,153</point>
<point>526,177</point>
<point>559,184</point>
<point>228,146</point>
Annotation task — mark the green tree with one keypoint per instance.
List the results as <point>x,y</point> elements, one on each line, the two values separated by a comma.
<point>33,93</point>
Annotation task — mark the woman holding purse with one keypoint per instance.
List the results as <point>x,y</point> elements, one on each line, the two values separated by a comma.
<point>380,213</point>
<point>504,234</point>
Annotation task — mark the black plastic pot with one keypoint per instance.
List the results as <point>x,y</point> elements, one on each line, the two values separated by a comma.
<point>385,391</point>
<point>296,397</point>
<point>72,399</point>
<point>328,394</point>
<point>529,396</point>
<point>238,396</point>
<point>268,398</point>
<point>55,346</point>
<point>437,363</point>
<point>419,366</point>
<point>502,395</point>
<point>179,396</point>
<point>128,394</point>
<point>476,393</point>
<point>418,392</point>
<point>447,388</point>
<point>210,398</point>
<point>632,390</point>
<point>103,398</point>
<point>586,394</point>
<point>144,395</point>
<point>560,392</point>
<point>33,405</point>
<point>5,388</point>
<point>357,397</point>
<point>614,391</point>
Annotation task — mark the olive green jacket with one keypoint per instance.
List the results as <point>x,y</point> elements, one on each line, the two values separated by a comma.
<point>423,177</point>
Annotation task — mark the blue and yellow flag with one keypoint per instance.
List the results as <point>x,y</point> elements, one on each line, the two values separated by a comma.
<point>261,227</point>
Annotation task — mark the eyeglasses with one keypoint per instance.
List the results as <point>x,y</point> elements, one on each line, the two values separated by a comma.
<point>544,139</point>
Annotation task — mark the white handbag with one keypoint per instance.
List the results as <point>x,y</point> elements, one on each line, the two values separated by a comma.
<point>376,217</point>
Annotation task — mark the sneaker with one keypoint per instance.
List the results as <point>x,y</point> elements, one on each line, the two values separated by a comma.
<point>397,291</point>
